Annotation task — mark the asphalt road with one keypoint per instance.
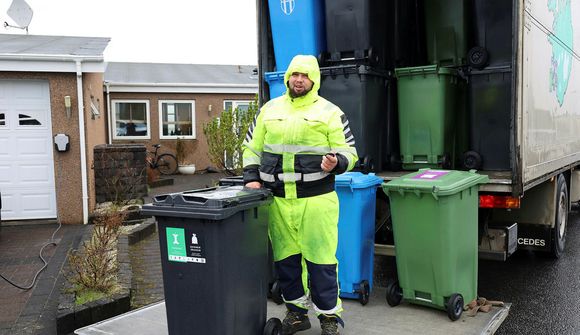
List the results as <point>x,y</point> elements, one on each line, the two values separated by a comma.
<point>545,292</point>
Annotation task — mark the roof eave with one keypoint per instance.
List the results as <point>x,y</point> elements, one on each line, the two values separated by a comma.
<point>182,88</point>
<point>50,63</point>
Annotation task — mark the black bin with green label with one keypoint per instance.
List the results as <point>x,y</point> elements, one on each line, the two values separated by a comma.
<point>214,257</point>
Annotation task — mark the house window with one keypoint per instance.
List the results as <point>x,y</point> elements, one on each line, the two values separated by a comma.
<point>27,120</point>
<point>131,119</point>
<point>242,105</point>
<point>2,119</point>
<point>177,119</point>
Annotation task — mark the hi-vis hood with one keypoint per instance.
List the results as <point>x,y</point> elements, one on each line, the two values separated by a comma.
<point>309,65</point>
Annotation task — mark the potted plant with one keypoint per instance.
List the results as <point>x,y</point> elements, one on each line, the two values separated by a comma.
<point>184,164</point>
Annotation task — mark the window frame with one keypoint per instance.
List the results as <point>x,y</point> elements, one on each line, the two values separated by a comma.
<point>235,103</point>
<point>193,135</point>
<point>114,119</point>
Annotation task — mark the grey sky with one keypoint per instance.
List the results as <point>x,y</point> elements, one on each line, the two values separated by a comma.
<point>161,31</point>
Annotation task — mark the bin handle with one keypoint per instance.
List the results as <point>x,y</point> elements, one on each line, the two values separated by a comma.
<point>193,199</point>
<point>434,192</point>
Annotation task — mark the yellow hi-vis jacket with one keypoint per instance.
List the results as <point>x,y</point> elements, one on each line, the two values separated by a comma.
<point>285,144</point>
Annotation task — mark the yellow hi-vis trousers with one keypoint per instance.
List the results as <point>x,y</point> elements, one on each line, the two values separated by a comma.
<point>304,231</point>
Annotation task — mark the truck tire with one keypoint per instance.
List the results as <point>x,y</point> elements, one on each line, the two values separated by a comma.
<point>561,220</point>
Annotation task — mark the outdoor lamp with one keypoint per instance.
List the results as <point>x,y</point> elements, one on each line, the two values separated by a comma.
<point>67,105</point>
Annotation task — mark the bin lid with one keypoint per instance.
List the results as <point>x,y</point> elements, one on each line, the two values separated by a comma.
<point>210,203</point>
<point>436,182</point>
<point>357,180</point>
<point>348,69</point>
<point>274,76</point>
<point>424,70</point>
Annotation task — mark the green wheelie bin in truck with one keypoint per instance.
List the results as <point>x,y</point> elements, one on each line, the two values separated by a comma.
<point>434,215</point>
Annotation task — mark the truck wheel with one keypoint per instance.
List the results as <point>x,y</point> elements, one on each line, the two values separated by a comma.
<point>561,222</point>
<point>273,327</point>
<point>454,306</point>
<point>394,293</point>
<point>364,292</point>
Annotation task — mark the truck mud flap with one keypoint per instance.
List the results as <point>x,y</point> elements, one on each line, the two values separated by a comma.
<point>534,237</point>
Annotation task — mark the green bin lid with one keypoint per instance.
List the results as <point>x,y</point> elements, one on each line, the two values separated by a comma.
<point>436,182</point>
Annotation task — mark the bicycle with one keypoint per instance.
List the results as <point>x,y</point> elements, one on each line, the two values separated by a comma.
<point>165,163</point>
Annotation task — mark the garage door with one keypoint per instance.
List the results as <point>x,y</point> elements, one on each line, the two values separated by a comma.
<point>26,161</point>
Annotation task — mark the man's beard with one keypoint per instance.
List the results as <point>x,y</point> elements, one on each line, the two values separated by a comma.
<point>294,95</point>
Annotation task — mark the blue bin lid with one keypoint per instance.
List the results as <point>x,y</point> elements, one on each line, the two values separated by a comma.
<point>274,76</point>
<point>357,180</point>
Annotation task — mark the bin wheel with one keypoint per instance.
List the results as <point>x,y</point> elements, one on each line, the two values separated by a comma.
<point>454,306</point>
<point>477,57</point>
<point>373,57</point>
<point>368,165</point>
<point>321,59</point>
<point>364,292</point>
<point>273,327</point>
<point>395,162</point>
<point>276,293</point>
<point>446,161</point>
<point>394,293</point>
<point>472,160</point>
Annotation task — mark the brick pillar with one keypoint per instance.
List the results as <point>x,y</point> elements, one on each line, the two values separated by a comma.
<point>120,172</point>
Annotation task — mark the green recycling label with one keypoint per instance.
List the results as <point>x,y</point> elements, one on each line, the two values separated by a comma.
<point>181,250</point>
<point>176,244</point>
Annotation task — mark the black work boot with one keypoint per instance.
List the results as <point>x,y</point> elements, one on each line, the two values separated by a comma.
<point>295,322</point>
<point>329,326</point>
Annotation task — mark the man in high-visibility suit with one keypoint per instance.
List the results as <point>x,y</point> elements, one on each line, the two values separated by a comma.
<point>295,146</point>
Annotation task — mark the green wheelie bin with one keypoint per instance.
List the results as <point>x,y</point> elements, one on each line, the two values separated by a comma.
<point>435,228</point>
<point>447,31</point>
<point>430,98</point>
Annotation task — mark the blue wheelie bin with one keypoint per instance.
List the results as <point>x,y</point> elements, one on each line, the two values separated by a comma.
<point>276,83</point>
<point>356,233</point>
<point>297,28</point>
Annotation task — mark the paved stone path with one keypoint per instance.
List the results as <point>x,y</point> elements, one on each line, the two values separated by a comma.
<point>32,311</point>
<point>147,280</point>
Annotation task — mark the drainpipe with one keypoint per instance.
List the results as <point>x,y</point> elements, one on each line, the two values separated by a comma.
<point>81,107</point>
<point>110,134</point>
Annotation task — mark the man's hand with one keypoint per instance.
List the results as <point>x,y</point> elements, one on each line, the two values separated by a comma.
<point>254,184</point>
<point>329,162</point>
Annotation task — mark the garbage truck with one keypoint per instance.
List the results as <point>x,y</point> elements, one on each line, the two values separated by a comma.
<point>486,85</point>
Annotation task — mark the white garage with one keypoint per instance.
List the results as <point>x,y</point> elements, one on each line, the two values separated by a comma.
<point>27,180</point>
